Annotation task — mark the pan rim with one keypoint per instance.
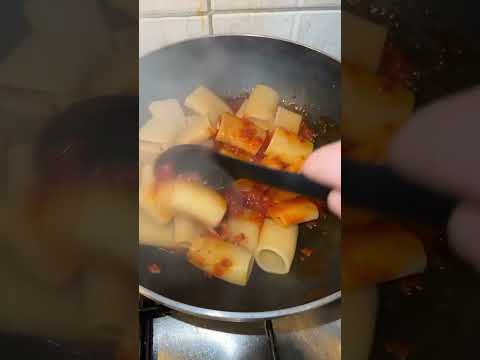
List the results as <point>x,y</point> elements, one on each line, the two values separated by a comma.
<point>233,316</point>
<point>243,35</point>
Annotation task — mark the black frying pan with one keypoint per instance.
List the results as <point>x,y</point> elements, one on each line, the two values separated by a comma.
<point>230,65</point>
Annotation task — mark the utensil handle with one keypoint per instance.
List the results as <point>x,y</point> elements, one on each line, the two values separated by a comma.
<point>296,183</point>
<point>368,186</point>
<point>380,188</point>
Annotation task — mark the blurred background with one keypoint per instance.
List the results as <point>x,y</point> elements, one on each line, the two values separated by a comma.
<point>59,301</point>
<point>170,334</point>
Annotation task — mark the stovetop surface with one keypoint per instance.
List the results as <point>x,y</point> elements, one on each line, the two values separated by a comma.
<point>168,335</point>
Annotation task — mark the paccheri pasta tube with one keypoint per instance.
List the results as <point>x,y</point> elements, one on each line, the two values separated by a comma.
<point>276,247</point>
<point>221,259</point>
<point>288,147</point>
<point>380,252</point>
<point>368,49</point>
<point>198,202</point>
<point>273,162</point>
<point>155,199</point>
<point>198,130</point>
<point>371,114</point>
<point>147,175</point>
<point>152,233</point>
<point>278,195</point>
<point>149,151</point>
<point>241,133</point>
<point>204,101</point>
<point>262,104</point>
<point>293,211</point>
<point>166,121</point>
<point>244,229</point>
<point>185,229</point>
<point>233,152</point>
<point>288,120</point>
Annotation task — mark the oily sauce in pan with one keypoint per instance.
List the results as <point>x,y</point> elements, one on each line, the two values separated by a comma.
<point>254,199</point>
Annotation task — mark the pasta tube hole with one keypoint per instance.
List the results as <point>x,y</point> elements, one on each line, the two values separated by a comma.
<point>271,262</point>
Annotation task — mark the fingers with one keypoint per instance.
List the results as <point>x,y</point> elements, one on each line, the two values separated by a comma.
<point>325,165</point>
<point>334,202</point>
<point>439,146</point>
<point>464,233</point>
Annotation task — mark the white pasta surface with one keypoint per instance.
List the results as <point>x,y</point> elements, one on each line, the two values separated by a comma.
<point>198,202</point>
<point>221,259</point>
<point>288,120</point>
<point>205,102</point>
<point>154,234</point>
<point>262,103</point>
<point>288,147</point>
<point>197,131</point>
<point>276,247</point>
<point>294,211</point>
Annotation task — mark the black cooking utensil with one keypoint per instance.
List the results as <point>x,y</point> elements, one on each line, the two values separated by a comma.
<point>380,188</point>
<point>368,186</point>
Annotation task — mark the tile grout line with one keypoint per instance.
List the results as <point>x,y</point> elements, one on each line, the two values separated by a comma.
<point>160,15</point>
<point>211,12</point>
<point>210,17</point>
<point>295,28</point>
<point>279,10</point>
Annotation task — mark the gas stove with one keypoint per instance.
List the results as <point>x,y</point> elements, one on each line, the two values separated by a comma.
<point>170,335</point>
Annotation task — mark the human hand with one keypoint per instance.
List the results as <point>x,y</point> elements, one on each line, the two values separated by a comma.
<point>439,147</point>
<point>325,166</point>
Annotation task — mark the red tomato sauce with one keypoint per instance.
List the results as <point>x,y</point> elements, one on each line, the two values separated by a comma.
<point>395,68</point>
<point>306,252</point>
<point>248,133</point>
<point>165,172</point>
<point>197,260</point>
<point>261,152</point>
<point>222,230</point>
<point>255,199</point>
<point>248,130</point>
<point>154,269</point>
<point>306,132</point>
<point>238,239</point>
<point>236,102</point>
<point>220,268</point>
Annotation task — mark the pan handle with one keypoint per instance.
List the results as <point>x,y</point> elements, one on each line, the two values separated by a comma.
<point>272,341</point>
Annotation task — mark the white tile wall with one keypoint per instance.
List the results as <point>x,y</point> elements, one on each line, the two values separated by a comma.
<point>158,32</point>
<point>172,7</point>
<point>252,4</point>
<point>318,29</point>
<point>319,3</point>
<point>270,4</point>
<point>321,30</point>
<point>276,24</point>
<point>315,23</point>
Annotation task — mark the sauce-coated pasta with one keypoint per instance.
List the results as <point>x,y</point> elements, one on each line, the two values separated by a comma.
<point>224,230</point>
